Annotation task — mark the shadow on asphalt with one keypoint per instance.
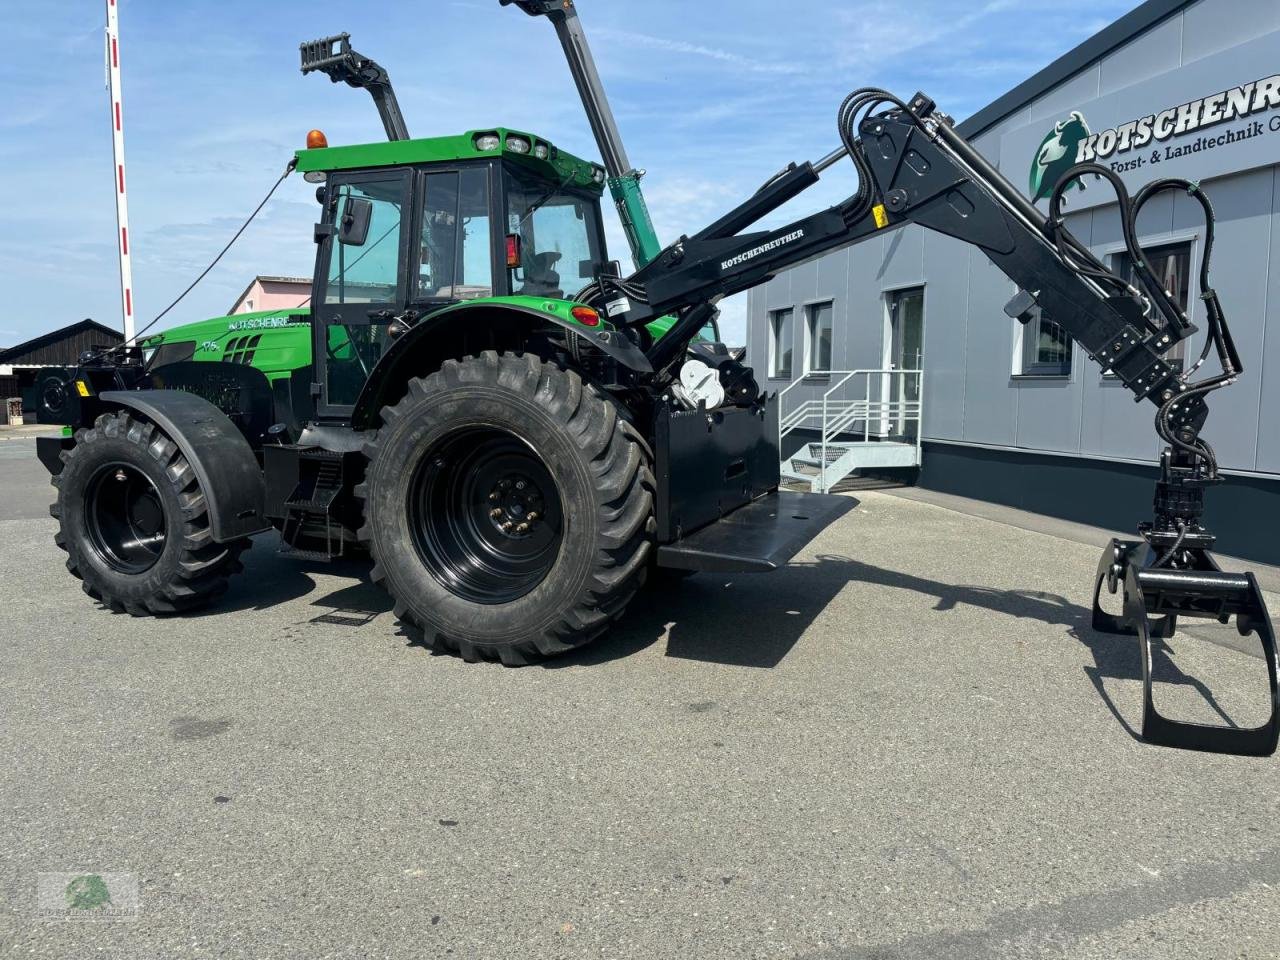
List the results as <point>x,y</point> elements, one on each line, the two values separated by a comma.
<point>768,623</point>
<point>751,620</point>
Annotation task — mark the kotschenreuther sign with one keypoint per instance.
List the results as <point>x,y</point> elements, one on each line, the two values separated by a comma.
<point>1225,130</point>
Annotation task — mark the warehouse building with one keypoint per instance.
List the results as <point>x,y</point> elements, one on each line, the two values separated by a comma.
<point>1020,415</point>
<point>58,348</point>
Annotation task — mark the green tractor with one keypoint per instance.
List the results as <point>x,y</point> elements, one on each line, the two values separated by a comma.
<point>519,435</point>
<point>448,402</point>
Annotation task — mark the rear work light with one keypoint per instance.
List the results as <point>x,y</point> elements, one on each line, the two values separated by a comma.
<point>517,144</point>
<point>586,316</point>
<point>487,141</point>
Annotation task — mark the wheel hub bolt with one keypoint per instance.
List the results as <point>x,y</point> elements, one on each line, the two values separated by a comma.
<point>522,528</point>
<point>520,484</point>
<point>495,512</point>
<point>120,475</point>
<point>532,516</point>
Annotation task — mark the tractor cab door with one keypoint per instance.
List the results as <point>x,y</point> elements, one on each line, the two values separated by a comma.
<point>361,280</point>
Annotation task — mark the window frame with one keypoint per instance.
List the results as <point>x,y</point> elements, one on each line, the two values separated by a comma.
<point>1178,352</point>
<point>497,200</point>
<point>810,340</point>
<point>1027,363</point>
<point>774,342</point>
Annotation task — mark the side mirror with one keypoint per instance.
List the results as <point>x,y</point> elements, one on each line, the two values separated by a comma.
<point>353,225</point>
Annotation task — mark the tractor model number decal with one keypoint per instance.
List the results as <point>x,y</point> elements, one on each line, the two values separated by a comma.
<point>763,248</point>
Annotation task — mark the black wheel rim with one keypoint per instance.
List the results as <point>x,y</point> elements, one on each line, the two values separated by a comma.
<point>485,515</point>
<point>125,518</point>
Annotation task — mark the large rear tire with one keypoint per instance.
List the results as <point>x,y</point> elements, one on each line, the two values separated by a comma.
<point>508,508</point>
<point>135,523</point>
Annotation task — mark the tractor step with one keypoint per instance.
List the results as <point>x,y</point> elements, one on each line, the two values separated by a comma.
<point>312,528</point>
<point>760,536</point>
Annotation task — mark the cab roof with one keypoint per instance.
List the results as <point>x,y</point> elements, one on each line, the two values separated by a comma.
<point>556,165</point>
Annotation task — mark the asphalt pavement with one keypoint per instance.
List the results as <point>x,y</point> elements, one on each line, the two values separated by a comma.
<point>906,744</point>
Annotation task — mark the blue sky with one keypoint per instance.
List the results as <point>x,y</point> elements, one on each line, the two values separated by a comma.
<point>712,98</point>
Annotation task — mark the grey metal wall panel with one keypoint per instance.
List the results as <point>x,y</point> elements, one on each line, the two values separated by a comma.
<point>1214,25</point>
<point>1049,409</point>
<point>990,407</point>
<point>1268,365</point>
<point>902,259</point>
<point>1111,424</point>
<point>804,283</point>
<point>1079,89</point>
<point>988,142</point>
<point>946,311</point>
<point>1156,51</point>
<point>1241,258</point>
<point>866,307</point>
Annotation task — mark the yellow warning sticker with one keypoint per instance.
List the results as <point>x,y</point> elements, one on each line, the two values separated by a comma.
<point>882,218</point>
<point>81,388</point>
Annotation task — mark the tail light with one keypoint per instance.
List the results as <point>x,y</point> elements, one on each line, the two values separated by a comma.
<point>513,250</point>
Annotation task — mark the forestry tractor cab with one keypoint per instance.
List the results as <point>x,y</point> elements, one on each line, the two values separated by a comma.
<point>519,435</point>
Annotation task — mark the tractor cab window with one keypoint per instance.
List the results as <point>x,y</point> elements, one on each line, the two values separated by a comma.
<point>455,260</point>
<point>559,238</point>
<point>362,284</point>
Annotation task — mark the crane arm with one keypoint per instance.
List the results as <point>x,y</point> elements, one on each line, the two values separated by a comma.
<point>334,57</point>
<point>914,167</point>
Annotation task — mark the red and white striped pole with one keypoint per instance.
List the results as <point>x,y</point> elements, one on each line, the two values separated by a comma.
<point>117,151</point>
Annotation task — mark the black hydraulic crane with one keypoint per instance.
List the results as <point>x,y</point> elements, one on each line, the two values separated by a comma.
<point>914,168</point>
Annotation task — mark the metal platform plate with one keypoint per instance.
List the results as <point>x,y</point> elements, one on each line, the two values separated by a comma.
<point>758,537</point>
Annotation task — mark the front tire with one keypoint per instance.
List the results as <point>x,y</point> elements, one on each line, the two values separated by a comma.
<point>134,521</point>
<point>508,508</point>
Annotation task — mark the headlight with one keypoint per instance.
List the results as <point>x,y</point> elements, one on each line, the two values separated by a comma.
<point>315,176</point>
<point>517,144</point>
<point>597,174</point>
<point>488,141</point>
<point>540,151</point>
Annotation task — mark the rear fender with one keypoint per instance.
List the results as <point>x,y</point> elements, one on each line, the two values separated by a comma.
<point>466,328</point>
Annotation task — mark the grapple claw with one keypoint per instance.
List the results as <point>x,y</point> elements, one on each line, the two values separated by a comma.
<point>1111,567</point>
<point>1154,598</point>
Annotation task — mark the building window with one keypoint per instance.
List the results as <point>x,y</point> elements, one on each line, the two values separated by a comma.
<point>780,344</point>
<point>1046,349</point>
<point>817,338</point>
<point>1171,263</point>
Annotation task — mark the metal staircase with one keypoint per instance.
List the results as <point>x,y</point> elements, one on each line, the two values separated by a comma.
<point>865,420</point>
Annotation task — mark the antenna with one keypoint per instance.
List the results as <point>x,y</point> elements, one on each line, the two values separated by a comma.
<point>117,153</point>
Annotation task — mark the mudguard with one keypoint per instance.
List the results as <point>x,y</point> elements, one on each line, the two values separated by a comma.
<point>397,365</point>
<point>224,463</point>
